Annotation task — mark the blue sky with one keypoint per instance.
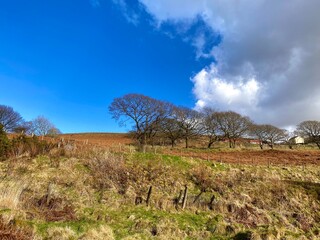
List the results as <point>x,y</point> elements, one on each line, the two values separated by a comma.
<point>67,60</point>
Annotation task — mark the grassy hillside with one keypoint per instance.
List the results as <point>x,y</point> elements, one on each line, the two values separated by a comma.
<point>101,193</point>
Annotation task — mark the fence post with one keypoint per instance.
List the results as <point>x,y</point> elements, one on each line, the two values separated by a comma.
<point>185,196</point>
<point>149,196</point>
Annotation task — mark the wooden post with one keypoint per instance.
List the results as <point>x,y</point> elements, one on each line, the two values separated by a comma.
<point>101,192</point>
<point>149,196</point>
<point>211,201</point>
<point>185,196</point>
<point>49,192</point>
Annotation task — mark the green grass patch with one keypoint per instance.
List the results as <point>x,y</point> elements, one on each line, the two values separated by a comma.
<point>79,227</point>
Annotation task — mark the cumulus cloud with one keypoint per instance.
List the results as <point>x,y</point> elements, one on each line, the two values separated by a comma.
<point>267,63</point>
<point>237,94</point>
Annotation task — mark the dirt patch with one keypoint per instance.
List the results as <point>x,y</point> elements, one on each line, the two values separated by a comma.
<point>257,157</point>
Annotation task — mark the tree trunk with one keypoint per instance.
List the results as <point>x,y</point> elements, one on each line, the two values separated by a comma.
<point>232,143</point>
<point>271,145</point>
<point>187,142</point>
<point>172,143</point>
<point>144,145</point>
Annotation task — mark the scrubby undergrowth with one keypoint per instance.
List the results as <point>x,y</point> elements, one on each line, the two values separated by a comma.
<point>104,195</point>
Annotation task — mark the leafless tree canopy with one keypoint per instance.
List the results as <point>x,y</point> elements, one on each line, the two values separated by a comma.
<point>258,132</point>
<point>41,126</point>
<point>154,119</point>
<point>232,125</point>
<point>189,121</point>
<point>210,125</point>
<point>268,134</point>
<point>9,119</point>
<point>145,113</point>
<point>310,130</point>
<point>170,127</point>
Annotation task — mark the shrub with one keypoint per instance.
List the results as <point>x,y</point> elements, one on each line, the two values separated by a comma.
<point>11,231</point>
<point>29,146</point>
<point>202,178</point>
<point>108,171</point>
<point>55,209</point>
<point>4,144</point>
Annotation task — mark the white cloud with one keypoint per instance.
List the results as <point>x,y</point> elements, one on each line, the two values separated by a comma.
<point>267,64</point>
<point>213,90</point>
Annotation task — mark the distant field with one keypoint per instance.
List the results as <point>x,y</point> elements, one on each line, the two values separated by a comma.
<point>100,139</point>
<point>220,153</point>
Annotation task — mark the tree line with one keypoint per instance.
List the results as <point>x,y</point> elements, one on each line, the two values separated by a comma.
<point>151,118</point>
<point>12,122</point>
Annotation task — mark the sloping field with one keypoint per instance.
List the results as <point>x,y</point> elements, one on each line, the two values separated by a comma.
<point>248,156</point>
<point>75,190</point>
<point>100,139</point>
<point>292,157</point>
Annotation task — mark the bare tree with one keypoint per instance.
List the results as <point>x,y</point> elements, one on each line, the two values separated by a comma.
<point>232,125</point>
<point>41,126</point>
<point>171,130</point>
<point>190,122</point>
<point>275,135</point>
<point>310,130</point>
<point>24,128</point>
<point>9,118</point>
<point>210,125</point>
<point>258,132</point>
<point>268,134</point>
<point>53,132</point>
<point>144,112</point>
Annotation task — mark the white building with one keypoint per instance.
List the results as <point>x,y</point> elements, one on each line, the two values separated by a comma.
<point>297,140</point>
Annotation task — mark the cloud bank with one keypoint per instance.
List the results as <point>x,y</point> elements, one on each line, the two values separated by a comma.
<point>267,63</point>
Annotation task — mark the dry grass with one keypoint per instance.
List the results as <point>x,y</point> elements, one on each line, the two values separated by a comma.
<point>103,232</point>
<point>61,233</point>
<point>237,200</point>
<point>8,231</point>
<point>10,194</point>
